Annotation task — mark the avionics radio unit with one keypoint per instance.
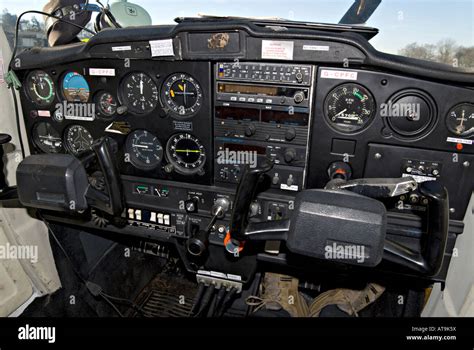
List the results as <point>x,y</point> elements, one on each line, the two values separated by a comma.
<point>264,107</point>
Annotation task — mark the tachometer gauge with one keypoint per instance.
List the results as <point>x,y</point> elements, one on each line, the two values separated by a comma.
<point>46,138</point>
<point>75,88</point>
<point>77,139</point>
<point>144,150</point>
<point>106,105</point>
<point>139,93</point>
<point>349,107</point>
<point>182,94</point>
<point>40,88</point>
<point>460,120</point>
<point>186,153</point>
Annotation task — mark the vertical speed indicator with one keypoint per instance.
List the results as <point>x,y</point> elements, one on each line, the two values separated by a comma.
<point>144,150</point>
<point>349,107</point>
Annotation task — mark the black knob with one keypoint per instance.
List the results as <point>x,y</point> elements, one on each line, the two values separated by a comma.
<point>290,155</point>
<point>299,97</point>
<point>299,77</point>
<point>250,130</point>
<point>191,205</point>
<point>290,134</point>
<point>197,245</point>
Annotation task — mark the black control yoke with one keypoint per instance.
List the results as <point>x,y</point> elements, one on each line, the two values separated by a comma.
<point>347,211</point>
<point>60,182</point>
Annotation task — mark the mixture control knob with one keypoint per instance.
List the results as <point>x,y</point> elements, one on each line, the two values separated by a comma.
<point>290,134</point>
<point>290,155</point>
<point>299,97</point>
<point>250,130</point>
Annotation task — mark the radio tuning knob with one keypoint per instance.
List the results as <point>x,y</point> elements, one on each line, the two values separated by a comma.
<point>290,134</point>
<point>299,97</point>
<point>299,77</point>
<point>250,130</point>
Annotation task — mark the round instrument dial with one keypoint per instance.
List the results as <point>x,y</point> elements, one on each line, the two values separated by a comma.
<point>75,88</point>
<point>186,153</point>
<point>46,138</point>
<point>77,139</point>
<point>460,120</point>
<point>182,94</point>
<point>106,105</point>
<point>349,107</point>
<point>139,93</point>
<point>144,150</point>
<point>40,88</point>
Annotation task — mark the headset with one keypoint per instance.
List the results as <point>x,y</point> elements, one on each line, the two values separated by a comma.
<point>117,14</point>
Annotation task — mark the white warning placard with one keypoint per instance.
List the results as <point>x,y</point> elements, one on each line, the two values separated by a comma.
<point>277,50</point>
<point>161,48</point>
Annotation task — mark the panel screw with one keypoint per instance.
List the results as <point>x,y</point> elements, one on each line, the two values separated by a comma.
<point>452,210</point>
<point>466,164</point>
<point>377,156</point>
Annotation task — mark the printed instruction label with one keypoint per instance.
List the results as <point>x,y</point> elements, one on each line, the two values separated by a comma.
<point>161,47</point>
<point>121,48</point>
<point>277,50</point>
<point>315,48</point>
<point>457,140</point>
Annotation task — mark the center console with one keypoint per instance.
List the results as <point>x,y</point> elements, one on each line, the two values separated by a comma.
<point>262,109</point>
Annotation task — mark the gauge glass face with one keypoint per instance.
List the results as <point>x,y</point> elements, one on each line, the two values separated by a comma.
<point>106,104</point>
<point>144,150</point>
<point>75,88</point>
<point>46,138</point>
<point>77,139</point>
<point>182,95</point>
<point>349,107</point>
<point>40,88</point>
<point>139,93</point>
<point>186,153</point>
<point>460,120</point>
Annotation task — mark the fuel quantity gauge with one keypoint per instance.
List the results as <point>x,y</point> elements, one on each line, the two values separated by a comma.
<point>460,120</point>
